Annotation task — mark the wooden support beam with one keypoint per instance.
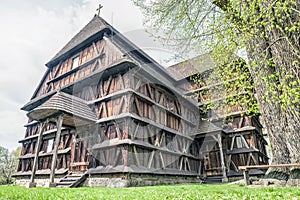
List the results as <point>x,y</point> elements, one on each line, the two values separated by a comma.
<point>101,88</point>
<point>241,122</point>
<point>246,177</point>
<point>138,84</point>
<point>199,168</point>
<point>151,95</point>
<point>125,156</point>
<point>180,163</point>
<point>232,142</point>
<point>139,112</point>
<point>188,167</point>
<point>162,139</point>
<point>245,141</point>
<point>100,111</point>
<point>59,121</point>
<point>136,130</point>
<point>136,155</point>
<point>151,159</point>
<point>121,105</point>
<point>73,146</point>
<point>119,134</point>
<point>121,81</point>
<point>108,85</point>
<point>162,161</point>
<point>36,156</point>
<point>96,49</point>
<point>95,65</point>
<point>234,165</point>
<point>117,155</point>
<point>224,175</point>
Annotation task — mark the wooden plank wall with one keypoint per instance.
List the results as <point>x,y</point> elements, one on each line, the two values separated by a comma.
<point>98,55</point>
<point>157,137</point>
<point>45,159</point>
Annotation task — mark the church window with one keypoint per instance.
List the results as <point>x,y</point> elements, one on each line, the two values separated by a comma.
<point>75,62</point>
<point>49,145</point>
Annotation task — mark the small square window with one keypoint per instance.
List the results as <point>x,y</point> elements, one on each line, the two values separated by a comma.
<point>49,146</point>
<point>75,62</point>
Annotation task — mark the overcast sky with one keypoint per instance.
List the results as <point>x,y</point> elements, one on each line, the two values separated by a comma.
<point>32,32</point>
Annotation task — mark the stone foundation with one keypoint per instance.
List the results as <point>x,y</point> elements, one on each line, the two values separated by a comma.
<point>270,182</point>
<point>293,182</point>
<point>136,180</point>
<point>40,180</point>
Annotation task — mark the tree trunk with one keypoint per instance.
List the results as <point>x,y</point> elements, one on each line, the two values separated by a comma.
<point>285,51</point>
<point>271,111</point>
<point>273,67</point>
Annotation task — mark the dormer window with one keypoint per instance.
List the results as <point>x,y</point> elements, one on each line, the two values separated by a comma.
<point>75,62</point>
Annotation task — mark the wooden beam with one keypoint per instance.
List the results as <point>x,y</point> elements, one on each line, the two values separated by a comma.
<point>73,146</point>
<point>119,134</point>
<point>121,81</point>
<point>151,95</point>
<point>136,155</point>
<point>246,177</point>
<point>136,130</point>
<point>108,85</point>
<point>137,104</point>
<point>138,84</point>
<point>96,49</point>
<point>151,159</point>
<point>267,166</point>
<point>245,141</point>
<point>59,121</point>
<point>101,88</point>
<point>117,155</point>
<point>121,105</point>
<point>38,146</point>
<point>162,160</point>
<point>224,175</point>
<point>162,139</point>
<point>188,164</point>
<point>180,163</point>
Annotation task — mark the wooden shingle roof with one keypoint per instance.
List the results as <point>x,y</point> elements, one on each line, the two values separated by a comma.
<point>96,25</point>
<point>206,127</point>
<point>190,67</point>
<point>65,103</point>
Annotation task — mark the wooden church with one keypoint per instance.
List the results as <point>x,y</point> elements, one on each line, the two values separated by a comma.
<point>107,114</point>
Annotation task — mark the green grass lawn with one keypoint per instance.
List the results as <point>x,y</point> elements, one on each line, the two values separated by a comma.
<point>223,191</point>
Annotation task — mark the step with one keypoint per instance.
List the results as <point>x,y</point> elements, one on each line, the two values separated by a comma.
<point>65,184</point>
<point>69,179</point>
<point>214,179</point>
<point>73,175</point>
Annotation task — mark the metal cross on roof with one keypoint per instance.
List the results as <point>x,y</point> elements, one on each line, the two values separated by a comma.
<point>99,9</point>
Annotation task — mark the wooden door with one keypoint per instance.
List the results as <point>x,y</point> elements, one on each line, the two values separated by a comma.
<point>79,154</point>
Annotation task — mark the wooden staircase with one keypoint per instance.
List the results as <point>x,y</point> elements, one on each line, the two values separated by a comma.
<point>73,179</point>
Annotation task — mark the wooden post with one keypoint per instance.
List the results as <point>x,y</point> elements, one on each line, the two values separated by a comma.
<point>246,177</point>
<point>38,146</point>
<point>73,146</point>
<point>59,121</point>
<point>224,178</point>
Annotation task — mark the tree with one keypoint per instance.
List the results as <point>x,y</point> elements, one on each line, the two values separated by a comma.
<point>8,164</point>
<point>268,31</point>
